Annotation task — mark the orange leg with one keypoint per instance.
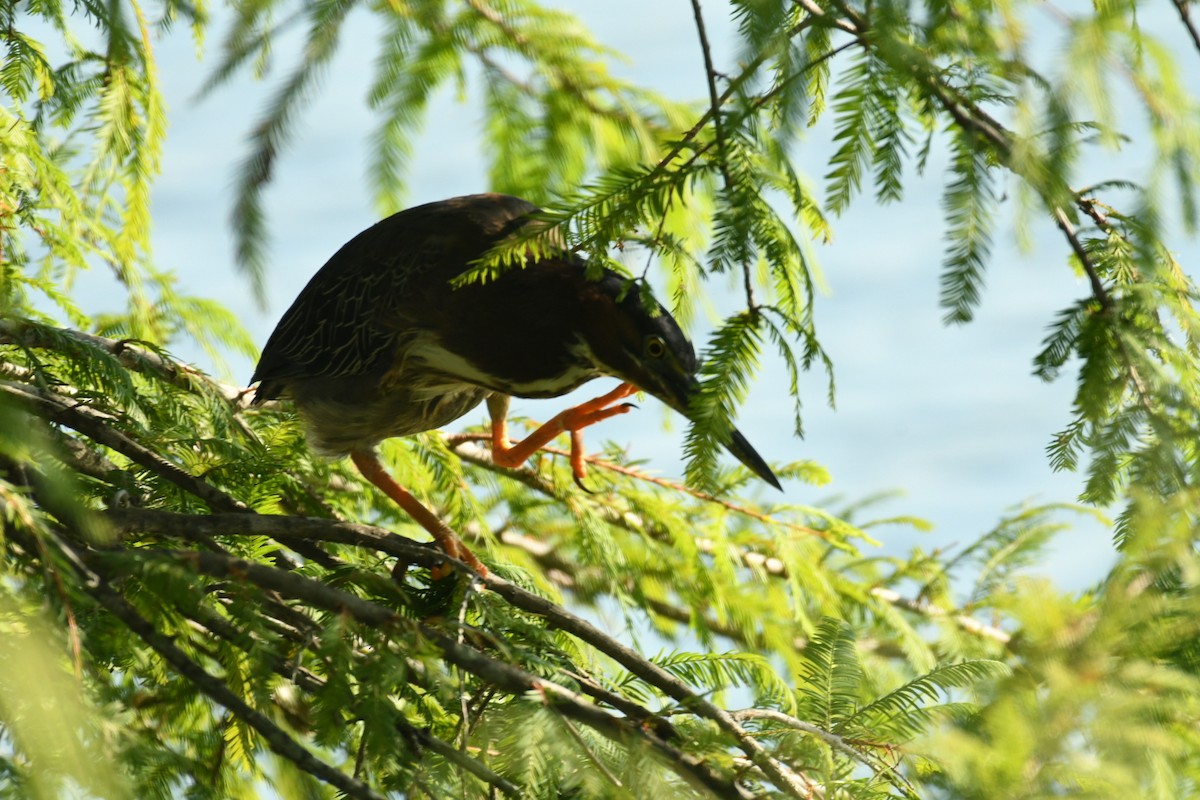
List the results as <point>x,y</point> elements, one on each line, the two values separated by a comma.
<point>373,470</point>
<point>573,420</point>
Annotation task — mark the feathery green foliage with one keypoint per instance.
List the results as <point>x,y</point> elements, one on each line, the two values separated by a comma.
<point>193,604</point>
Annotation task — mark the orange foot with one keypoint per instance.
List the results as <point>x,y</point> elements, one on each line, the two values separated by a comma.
<point>373,470</point>
<point>573,420</point>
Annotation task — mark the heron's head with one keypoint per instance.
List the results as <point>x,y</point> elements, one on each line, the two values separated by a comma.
<point>632,337</point>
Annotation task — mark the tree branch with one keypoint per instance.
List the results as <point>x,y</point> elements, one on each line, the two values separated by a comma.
<point>1185,16</point>
<point>714,104</point>
<point>461,443</point>
<point>964,621</point>
<point>95,425</point>
<point>336,600</point>
<point>838,743</point>
<point>1085,260</point>
<point>499,673</point>
<point>969,116</point>
<point>221,627</point>
<point>131,356</point>
<point>769,564</point>
<point>96,583</point>
<point>832,739</point>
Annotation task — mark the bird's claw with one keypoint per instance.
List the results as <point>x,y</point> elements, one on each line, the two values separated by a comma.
<point>590,414</point>
<point>572,421</point>
<point>578,465</point>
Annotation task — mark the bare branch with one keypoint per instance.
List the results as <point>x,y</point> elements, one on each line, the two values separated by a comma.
<point>1098,290</point>
<point>714,104</point>
<point>1185,16</point>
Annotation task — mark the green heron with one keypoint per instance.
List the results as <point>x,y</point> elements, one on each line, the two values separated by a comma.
<point>380,344</point>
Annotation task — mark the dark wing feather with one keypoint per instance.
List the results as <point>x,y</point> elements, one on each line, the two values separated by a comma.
<point>351,315</point>
<point>330,330</point>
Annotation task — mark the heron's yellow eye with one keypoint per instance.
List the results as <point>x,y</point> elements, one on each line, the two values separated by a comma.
<point>656,347</point>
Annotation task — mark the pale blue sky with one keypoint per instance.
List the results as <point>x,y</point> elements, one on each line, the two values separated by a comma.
<point>951,416</point>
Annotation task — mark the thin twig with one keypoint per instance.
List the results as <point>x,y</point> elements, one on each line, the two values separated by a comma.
<point>964,621</point>
<point>714,100</point>
<point>637,713</point>
<point>522,44</point>
<point>1085,260</point>
<point>817,12</point>
<point>596,761</point>
<point>836,742</point>
<point>832,739</point>
<point>751,558</point>
<point>971,117</point>
<point>554,565</point>
<point>1185,16</point>
<point>481,457</point>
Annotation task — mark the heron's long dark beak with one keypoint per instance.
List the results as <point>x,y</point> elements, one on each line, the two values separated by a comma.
<point>678,394</point>
<point>746,454</point>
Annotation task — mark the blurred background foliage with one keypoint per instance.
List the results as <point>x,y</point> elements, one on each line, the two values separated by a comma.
<point>192,604</point>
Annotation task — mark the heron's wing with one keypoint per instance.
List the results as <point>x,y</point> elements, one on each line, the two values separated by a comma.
<point>382,284</point>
